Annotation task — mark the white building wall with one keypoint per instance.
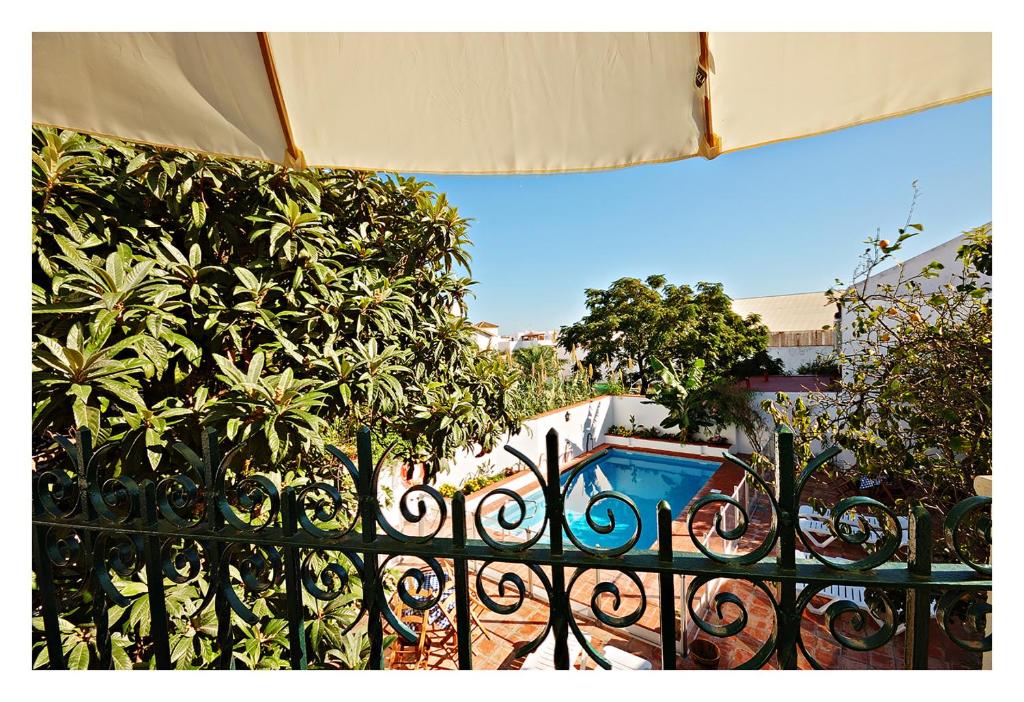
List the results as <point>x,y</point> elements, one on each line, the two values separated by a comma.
<point>585,428</point>
<point>793,357</point>
<point>952,270</point>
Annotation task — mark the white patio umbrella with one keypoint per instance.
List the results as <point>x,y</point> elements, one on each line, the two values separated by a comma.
<point>492,103</point>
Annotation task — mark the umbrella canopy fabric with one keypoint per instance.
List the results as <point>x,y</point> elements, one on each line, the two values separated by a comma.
<point>491,102</point>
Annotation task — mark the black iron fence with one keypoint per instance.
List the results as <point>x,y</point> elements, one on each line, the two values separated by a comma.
<point>242,535</point>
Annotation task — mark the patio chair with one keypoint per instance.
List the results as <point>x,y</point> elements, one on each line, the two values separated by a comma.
<point>814,523</point>
<point>624,660</point>
<point>447,605</point>
<point>853,593</point>
<point>405,654</point>
<point>813,528</point>
<point>544,657</point>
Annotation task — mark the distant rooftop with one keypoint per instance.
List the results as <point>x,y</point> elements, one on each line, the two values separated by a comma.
<point>785,313</point>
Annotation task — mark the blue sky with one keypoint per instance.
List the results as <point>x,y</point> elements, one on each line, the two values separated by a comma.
<point>785,218</point>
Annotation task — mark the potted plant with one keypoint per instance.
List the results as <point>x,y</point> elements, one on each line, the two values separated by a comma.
<point>705,653</point>
<point>719,441</point>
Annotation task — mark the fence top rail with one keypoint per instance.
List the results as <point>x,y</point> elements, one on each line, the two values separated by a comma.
<point>889,574</point>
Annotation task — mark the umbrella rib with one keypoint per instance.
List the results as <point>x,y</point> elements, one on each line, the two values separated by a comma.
<point>712,141</point>
<point>293,156</point>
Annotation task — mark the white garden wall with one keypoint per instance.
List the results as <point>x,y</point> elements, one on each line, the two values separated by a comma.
<point>584,430</point>
<point>626,406</point>
<point>793,357</point>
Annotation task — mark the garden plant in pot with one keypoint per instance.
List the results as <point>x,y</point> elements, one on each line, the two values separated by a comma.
<point>704,653</point>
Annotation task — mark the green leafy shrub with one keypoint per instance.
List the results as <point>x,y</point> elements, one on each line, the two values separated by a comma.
<point>173,291</point>
<point>533,396</point>
<point>480,482</point>
<point>822,365</point>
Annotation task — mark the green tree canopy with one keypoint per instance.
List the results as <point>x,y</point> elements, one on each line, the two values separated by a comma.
<point>915,397</point>
<point>633,322</point>
<point>538,362</point>
<point>913,402</point>
<point>174,290</point>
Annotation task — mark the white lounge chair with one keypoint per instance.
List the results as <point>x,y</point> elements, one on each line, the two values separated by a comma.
<point>814,524</point>
<point>834,593</point>
<point>624,660</point>
<point>853,593</point>
<point>544,657</point>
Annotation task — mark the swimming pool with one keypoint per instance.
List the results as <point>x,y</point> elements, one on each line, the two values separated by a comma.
<point>646,478</point>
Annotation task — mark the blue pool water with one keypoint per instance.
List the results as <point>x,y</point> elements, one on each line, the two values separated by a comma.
<point>645,478</point>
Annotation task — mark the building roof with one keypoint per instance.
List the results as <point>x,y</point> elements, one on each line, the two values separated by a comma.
<point>485,325</point>
<point>783,313</point>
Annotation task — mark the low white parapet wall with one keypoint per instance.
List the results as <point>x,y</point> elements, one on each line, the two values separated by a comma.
<point>580,428</point>
<point>665,445</point>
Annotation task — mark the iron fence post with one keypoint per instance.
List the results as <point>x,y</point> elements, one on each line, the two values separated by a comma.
<point>368,506</point>
<point>48,597</point>
<point>918,609</point>
<point>220,576</point>
<point>99,597</point>
<point>464,623</point>
<point>559,599</point>
<point>785,493</point>
<point>684,616</point>
<point>155,580</point>
<point>666,595</point>
<point>293,582</point>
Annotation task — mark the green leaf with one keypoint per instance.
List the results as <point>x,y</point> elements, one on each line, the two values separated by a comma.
<point>137,162</point>
<point>120,658</point>
<point>78,659</point>
<point>247,278</point>
<point>198,213</point>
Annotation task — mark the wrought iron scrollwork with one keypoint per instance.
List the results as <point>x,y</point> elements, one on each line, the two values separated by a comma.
<point>409,598</point>
<point>57,493</point>
<point>515,523</point>
<point>842,616</point>
<point>256,497</point>
<point>231,535</point>
<point>405,506</point>
<point>180,560</point>
<point>971,516</point>
<point>259,568</point>
<point>120,553</point>
<point>728,600</point>
<point>603,529</point>
<point>178,499</point>
<point>739,531</point>
<point>850,525</point>
<point>969,608</point>
<point>320,505</point>
<point>602,590</point>
<point>510,580</point>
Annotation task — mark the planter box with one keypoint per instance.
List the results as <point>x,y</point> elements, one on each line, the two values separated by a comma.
<point>666,445</point>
